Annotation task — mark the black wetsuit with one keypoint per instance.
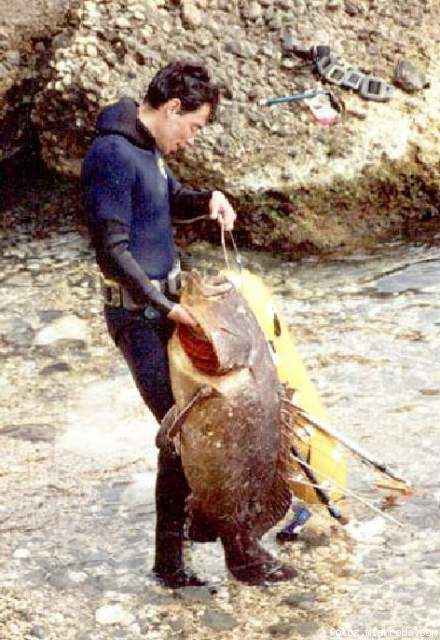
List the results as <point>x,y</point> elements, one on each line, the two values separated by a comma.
<point>131,197</point>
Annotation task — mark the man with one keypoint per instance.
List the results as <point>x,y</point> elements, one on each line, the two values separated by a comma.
<point>131,197</point>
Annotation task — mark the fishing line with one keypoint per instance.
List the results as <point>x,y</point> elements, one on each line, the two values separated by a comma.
<point>308,441</point>
<point>191,220</point>
<point>225,251</point>
<point>351,493</point>
<point>346,442</point>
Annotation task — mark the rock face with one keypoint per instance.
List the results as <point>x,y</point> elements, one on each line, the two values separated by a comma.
<point>27,28</point>
<point>296,183</point>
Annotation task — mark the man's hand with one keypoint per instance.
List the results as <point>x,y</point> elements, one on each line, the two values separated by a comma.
<point>221,210</point>
<point>180,314</point>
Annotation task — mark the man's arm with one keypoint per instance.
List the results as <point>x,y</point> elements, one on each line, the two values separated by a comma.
<point>107,182</point>
<point>187,203</point>
<point>115,239</point>
<point>114,243</point>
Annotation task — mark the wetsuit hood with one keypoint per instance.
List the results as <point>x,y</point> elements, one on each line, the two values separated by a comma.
<point>122,118</point>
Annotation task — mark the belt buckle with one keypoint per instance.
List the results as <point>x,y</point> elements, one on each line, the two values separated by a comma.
<point>111,292</point>
<point>174,279</point>
<point>115,297</point>
<point>174,283</point>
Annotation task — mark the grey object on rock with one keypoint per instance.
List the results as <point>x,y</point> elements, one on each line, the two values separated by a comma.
<point>409,78</point>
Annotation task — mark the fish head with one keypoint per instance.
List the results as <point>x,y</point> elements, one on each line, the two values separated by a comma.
<point>222,341</point>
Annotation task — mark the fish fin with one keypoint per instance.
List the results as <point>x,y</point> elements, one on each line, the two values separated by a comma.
<point>162,437</point>
<point>174,419</point>
<point>280,495</point>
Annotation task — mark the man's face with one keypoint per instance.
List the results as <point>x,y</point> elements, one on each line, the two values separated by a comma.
<point>178,129</point>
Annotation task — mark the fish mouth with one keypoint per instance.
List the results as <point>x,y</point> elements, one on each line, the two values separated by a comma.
<point>199,349</point>
<point>199,344</point>
<point>207,287</point>
<point>217,287</point>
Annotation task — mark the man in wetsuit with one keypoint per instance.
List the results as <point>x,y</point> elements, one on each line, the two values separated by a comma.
<point>131,197</point>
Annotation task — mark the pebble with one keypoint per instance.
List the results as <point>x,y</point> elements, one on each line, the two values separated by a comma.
<point>65,328</point>
<point>16,331</point>
<point>59,579</point>
<point>307,628</point>
<point>77,576</point>
<point>191,15</point>
<point>113,614</point>
<point>122,22</point>
<point>409,78</point>
<point>204,594</point>
<point>218,620</point>
<point>57,367</point>
<point>281,629</point>
<point>32,432</point>
<point>352,9</point>
<point>254,11</point>
<point>301,601</point>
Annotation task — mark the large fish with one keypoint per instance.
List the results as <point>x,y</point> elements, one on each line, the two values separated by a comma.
<point>227,424</point>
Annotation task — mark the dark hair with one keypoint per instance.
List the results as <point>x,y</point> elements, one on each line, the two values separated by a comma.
<point>189,82</point>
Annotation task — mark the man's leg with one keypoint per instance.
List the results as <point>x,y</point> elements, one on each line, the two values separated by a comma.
<point>144,346</point>
<point>171,492</point>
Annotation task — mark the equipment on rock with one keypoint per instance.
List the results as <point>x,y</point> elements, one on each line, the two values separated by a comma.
<point>324,105</point>
<point>326,65</point>
<point>291,530</point>
<point>376,89</point>
<point>364,456</point>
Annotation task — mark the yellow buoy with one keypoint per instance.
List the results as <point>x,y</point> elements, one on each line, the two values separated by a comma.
<point>321,451</point>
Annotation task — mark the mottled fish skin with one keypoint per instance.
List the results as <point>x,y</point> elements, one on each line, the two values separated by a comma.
<point>233,447</point>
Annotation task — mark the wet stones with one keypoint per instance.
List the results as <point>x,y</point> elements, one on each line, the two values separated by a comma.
<point>305,601</point>
<point>37,631</point>
<point>66,328</point>
<point>113,614</point>
<point>16,332</point>
<point>218,620</point>
<point>39,432</point>
<point>281,630</point>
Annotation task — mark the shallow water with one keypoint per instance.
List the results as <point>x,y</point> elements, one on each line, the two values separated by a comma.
<point>368,327</point>
<point>78,455</point>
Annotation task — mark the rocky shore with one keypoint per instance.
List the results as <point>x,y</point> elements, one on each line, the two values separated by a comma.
<point>78,457</point>
<point>299,187</point>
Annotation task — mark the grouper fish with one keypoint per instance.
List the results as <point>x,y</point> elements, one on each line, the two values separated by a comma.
<point>227,426</point>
